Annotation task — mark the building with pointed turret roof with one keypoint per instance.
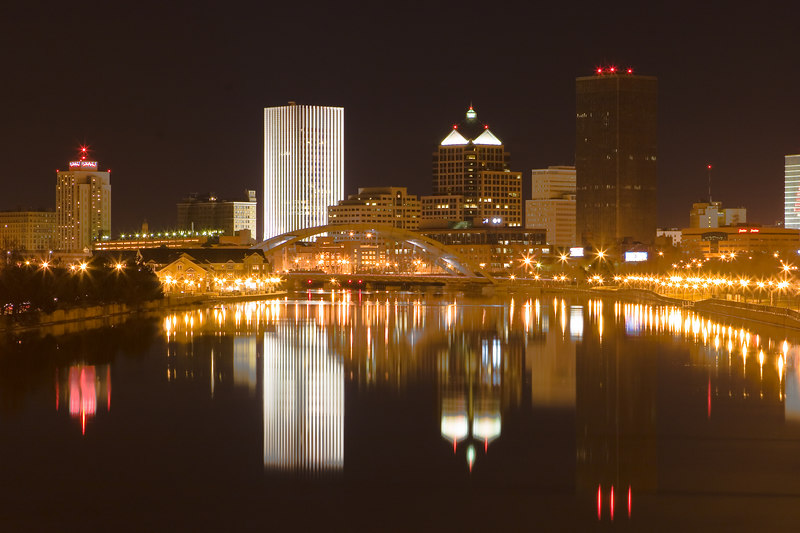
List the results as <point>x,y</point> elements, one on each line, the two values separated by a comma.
<point>470,167</point>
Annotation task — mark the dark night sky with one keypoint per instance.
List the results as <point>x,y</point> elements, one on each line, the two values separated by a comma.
<point>171,98</point>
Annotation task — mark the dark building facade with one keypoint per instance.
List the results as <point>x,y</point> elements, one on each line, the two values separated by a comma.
<point>615,158</point>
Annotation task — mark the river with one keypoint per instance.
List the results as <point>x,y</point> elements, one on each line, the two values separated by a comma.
<point>398,411</point>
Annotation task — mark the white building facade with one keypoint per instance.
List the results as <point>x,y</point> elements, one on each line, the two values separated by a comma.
<point>303,166</point>
<point>552,204</point>
<point>713,215</point>
<point>83,206</point>
<point>791,194</point>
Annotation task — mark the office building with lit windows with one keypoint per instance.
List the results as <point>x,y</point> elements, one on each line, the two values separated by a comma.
<point>470,167</point>
<point>28,231</point>
<point>83,206</point>
<point>552,204</point>
<point>791,192</point>
<point>303,166</point>
<point>200,213</point>
<point>387,206</point>
<point>615,158</point>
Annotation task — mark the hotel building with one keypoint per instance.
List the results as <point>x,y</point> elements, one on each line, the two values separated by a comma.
<point>303,166</point>
<point>83,206</point>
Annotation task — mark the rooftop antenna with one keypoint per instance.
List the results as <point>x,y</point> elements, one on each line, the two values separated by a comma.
<point>708,167</point>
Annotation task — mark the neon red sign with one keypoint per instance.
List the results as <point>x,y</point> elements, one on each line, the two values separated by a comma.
<point>83,165</point>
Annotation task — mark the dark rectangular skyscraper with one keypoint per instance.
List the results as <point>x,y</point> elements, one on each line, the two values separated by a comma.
<point>615,158</point>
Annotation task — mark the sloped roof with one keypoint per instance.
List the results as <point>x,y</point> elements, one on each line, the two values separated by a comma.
<point>454,138</point>
<point>470,130</point>
<point>487,137</point>
<point>165,256</point>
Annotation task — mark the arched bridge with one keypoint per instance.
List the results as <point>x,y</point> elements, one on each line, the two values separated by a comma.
<point>436,249</point>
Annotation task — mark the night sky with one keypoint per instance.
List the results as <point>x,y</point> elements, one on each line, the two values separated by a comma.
<point>171,99</point>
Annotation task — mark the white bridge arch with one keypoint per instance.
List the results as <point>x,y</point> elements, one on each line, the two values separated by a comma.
<point>436,249</point>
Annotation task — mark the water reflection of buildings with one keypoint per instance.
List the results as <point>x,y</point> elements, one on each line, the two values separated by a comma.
<point>303,400</point>
<point>302,385</point>
<point>83,389</point>
<point>480,366</point>
<point>603,364</point>
<point>616,406</point>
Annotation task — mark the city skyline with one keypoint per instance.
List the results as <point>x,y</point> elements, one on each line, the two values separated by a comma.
<point>177,112</point>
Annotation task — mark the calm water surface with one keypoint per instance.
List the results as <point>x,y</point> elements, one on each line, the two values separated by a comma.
<point>380,411</point>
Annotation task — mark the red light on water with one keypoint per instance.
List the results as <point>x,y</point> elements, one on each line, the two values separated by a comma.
<point>612,503</point>
<point>599,502</point>
<point>629,501</point>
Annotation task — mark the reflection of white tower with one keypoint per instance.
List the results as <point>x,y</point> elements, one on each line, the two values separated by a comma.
<point>303,400</point>
<point>244,362</point>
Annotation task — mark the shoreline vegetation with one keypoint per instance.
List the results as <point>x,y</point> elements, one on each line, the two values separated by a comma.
<point>56,299</point>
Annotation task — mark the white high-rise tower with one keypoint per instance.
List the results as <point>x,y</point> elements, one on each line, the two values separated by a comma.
<point>791,194</point>
<point>83,205</point>
<point>303,166</point>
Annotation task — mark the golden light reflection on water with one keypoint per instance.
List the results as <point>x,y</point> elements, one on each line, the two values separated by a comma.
<point>479,353</point>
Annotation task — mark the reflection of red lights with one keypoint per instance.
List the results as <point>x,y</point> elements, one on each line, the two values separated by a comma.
<point>599,502</point>
<point>612,503</point>
<point>629,501</point>
<point>82,393</point>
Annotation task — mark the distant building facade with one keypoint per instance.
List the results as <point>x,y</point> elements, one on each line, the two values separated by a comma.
<point>552,204</point>
<point>390,206</point>
<point>670,235</point>
<point>303,166</point>
<point>713,215</point>
<point>83,205</point>
<point>493,249</point>
<point>791,192</point>
<point>712,242</point>
<point>615,158</point>
<point>28,231</point>
<point>208,212</point>
<point>471,180</point>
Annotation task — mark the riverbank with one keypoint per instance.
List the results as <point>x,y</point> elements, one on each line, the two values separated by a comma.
<point>62,321</point>
<point>745,312</point>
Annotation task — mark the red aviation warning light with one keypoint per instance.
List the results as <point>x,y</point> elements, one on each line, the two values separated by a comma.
<point>630,71</point>
<point>612,69</point>
<point>599,70</point>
